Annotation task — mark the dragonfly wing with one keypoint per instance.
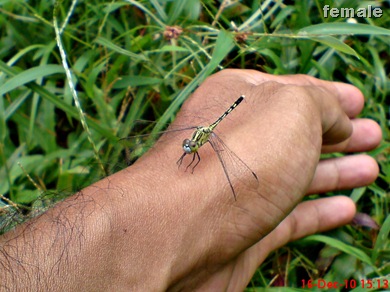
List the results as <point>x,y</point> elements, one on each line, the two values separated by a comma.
<point>136,145</point>
<point>234,167</point>
<point>224,166</point>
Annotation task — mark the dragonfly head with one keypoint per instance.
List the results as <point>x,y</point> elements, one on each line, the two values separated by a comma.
<point>189,146</point>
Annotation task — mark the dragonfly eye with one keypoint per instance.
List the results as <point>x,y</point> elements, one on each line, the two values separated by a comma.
<point>189,146</point>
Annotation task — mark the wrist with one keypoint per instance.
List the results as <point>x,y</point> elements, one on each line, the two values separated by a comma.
<point>157,225</point>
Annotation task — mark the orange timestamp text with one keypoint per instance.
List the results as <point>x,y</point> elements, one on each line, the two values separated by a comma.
<point>348,284</point>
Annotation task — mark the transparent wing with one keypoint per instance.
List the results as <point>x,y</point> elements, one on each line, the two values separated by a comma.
<point>233,166</point>
<point>136,145</point>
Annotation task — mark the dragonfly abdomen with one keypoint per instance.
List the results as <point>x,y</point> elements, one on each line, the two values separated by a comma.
<point>230,109</point>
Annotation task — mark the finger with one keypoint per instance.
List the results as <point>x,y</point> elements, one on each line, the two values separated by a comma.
<point>314,216</point>
<point>350,97</point>
<point>337,102</point>
<point>366,135</point>
<point>344,173</point>
<point>311,217</point>
<point>307,218</point>
<point>336,125</point>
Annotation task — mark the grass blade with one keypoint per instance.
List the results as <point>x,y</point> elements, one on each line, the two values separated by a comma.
<point>326,29</point>
<point>353,251</point>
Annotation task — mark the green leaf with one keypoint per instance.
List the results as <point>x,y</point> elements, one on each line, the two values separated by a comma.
<point>70,110</point>
<point>172,49</point>
<point>30,75</point>
<point>224,44</point>
<point>325,29</point>
<point>134,81</point>
<point>336,44</point>
<point>159,9</point>
<point>176,10</point>
<point>147,11</point>
<point>357,194</point>
<point>27,196</point>
<point>3,125</point>
<point>108,44</point>
<point>353,251</point>
<point>382,240</point>
<point>282,15</point>
<point>28,163</point>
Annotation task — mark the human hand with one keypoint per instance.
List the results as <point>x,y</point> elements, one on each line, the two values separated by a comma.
<point>153,227</point>
<point>281,129</point>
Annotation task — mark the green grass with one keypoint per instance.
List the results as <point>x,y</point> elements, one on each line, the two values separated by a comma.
<point>125,67</point>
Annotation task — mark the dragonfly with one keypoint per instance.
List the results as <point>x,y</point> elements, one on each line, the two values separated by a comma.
<point>206,134</point>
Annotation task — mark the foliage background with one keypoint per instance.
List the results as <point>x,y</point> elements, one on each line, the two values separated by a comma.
<point>133,60</point>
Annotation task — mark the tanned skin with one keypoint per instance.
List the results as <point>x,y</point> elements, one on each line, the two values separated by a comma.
<point>152,227</point>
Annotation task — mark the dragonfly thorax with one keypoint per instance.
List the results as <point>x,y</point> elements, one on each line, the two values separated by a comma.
<point>198,139</point>
<point>203,134</point>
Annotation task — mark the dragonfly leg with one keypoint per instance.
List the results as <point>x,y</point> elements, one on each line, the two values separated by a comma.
<point>197,155</point>
<point>192,161</point>
<point>180,161</point>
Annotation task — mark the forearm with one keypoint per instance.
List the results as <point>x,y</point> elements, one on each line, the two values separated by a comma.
<point>50,250</point>
<point>105,236</point>
<point>152,227</point>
